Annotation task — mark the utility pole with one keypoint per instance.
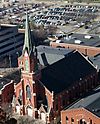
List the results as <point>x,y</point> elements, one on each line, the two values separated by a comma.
<point>9,60</point>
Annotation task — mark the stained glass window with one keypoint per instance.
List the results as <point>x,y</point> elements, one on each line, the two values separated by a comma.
<point>26,65</point>
<point>28,92</point>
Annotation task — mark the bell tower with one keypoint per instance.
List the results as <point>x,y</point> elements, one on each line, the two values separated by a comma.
<point>29,73</point>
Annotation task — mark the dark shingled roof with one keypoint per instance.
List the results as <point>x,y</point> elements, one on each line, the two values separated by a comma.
<point>96,60</point>
<point>91,102</point>
<point>9,74</point>
<point>65,72</point>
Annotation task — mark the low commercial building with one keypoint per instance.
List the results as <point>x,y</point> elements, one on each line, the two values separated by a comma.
<point>85,111</point>
<point>86,44</point>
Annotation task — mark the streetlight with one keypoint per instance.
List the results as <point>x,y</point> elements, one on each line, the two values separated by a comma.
<point>9,60</point>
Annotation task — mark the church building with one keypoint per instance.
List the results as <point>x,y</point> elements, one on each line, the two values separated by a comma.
<point>44,91</point>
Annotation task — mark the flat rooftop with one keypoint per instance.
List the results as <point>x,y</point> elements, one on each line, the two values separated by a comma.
<point>81,39</point>
<point>9,74</point>
<point>6,26</point>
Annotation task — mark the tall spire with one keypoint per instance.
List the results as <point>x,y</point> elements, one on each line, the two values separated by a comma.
<point>27,41</point>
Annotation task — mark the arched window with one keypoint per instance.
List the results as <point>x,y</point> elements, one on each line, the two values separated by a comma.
<point>66,120</point>
<point>82,121</point>
<point>72,120</point>
<point>90,121</point>
<point>28,92</point>
<point>20,97</point>
<point>20,94</point>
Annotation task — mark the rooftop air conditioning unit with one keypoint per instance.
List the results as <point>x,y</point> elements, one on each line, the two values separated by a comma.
<point>58,41</point>
<point>88,36</point>
<point>78,41</point>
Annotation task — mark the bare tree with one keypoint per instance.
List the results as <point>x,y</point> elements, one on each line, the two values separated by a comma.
<point>51,30</point>
<point>7,108</point>
<point>11,121</point>
<point>41,32</point>
<point>29,120</point>
<point>2,116</point>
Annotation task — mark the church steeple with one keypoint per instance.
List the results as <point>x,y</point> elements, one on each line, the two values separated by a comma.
<point>28,61</point>
<point>27,41</point>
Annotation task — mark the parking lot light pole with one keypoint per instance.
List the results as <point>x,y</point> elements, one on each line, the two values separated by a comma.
<point>9,60</point>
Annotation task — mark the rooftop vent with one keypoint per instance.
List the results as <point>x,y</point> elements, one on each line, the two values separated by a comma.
<point>78,41</point>
<point>96,110</point>
<point>58,41</point>
<point>68,38</point>
<point>88,36</point>
<point>70,34</point>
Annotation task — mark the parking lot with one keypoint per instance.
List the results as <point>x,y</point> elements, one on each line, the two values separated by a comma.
<point>15,12</point>
<point>65,17</point>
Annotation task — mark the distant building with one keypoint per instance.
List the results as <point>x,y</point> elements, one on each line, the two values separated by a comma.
<point>11,41</point>
<point>8,76</point>
<point>96,61</point>
<point>47,88</point>
<point>86,44</point>
<point>85,111</point>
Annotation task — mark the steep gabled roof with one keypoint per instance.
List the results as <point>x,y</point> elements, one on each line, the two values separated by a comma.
<point>63,73</point>
<point>96,60</point>
<point>91,102</point>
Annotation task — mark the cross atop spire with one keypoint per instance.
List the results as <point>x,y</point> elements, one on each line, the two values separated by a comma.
<point>27,41</point>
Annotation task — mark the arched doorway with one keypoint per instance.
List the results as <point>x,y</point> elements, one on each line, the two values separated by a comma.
<point>29,111</point>
<point>18,109</point>
<point>43,116</point>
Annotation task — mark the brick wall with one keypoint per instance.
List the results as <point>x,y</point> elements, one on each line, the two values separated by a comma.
<point>72,93</point>
<point>17,88</point>
<point>74,116</point>
<point>7,92</point>
<point>87,50</point>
